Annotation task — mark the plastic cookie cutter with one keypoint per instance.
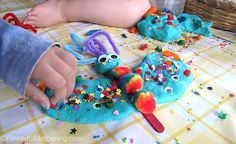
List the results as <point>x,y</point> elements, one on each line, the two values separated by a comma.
<point>109,64</point>
<point>10,18</point>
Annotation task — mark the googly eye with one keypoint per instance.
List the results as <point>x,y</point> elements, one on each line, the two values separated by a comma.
<point>175,77</point>
<point>102,58</point>
<point>169,89</point>
<point>113,56</point>
<point>100,89</point>
<point>97,106</point>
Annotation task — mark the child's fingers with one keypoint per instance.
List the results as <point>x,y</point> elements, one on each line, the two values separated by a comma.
<point>51,78</point>
<point>37,95</point>
<point>66,71</point>
<point>68,58</point>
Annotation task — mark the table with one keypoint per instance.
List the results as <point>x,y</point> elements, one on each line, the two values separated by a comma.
<point>192,119</point>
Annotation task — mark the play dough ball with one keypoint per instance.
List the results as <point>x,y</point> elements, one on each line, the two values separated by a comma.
<point>145,102</point>
<point>131,83</point>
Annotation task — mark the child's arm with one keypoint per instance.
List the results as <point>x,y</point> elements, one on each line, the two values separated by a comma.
<point>24,56</point>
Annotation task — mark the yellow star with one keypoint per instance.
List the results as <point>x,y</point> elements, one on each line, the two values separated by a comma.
<point>77,101</point>
<point>118,91</point>
<point>91,94</point>
<point>83,91</point>
<point>108,89</point>
<point>122,101</point>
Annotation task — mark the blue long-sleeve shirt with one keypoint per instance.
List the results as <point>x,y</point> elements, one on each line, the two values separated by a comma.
<point>20,51</point>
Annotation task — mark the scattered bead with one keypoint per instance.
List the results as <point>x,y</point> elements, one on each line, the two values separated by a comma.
<point>96,136</point>
<point>195,92</point>
<point>223,115</point>
<point>60,123</point>
<point>187,73</point>
<point>188,128</point>
<point>131,141</point>
<point>189,110</point>
<point>143,47</point>
<point>79,78</point>
<point>124,35</point>
<point>77,107</point>
<point>53,106</point>
<point>116,112</point>
<point>181,42</point>
<point>158,49</point>
<point>198,37</point>
<point>170,17</point>
<point>124,139</point>
<point>169,23</point>
<point>209,88</point>
<point>231,95</point>
<point>133,30</point>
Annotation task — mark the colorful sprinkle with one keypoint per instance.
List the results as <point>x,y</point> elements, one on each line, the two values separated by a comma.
<point>131,141</point>
<point>124,139</point>
<point>124,35</point>
<point>187,73</point>
<point>73,131</point>
<point>181,42</point>
<point>96,136</point>
<point>209,88</point>
<point>231,95</point>
<point>223,115</point>
<point>143,47</point>
<point>60,123</point>
<point>158,49</point>
<point>116,112</point>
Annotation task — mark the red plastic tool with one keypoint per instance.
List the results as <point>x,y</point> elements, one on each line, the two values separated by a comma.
<point>10,17</point>
<point>154,122</point>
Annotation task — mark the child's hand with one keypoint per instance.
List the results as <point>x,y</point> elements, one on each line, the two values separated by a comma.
<point>57,69</point>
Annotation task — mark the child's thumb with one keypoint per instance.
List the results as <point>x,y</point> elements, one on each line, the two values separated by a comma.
<point>33,93</point>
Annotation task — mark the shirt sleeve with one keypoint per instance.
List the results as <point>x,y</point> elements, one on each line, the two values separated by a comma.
<point>20,51</point>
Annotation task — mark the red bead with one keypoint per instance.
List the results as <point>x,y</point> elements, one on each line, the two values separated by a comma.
<point>143,47</point>
<point>231,95</point>
<point>187,73</point>
<point>169,23</point>
<point>170,17</point>
<point>106,93</point>
<point>77,91</point>
<point>53,106</point>
<point>116,96</point>
<point>139,71</point>
<point>198,37</point>
<point>85,86</point>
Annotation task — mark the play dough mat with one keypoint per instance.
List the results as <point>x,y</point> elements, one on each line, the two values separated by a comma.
<point>206,113</point>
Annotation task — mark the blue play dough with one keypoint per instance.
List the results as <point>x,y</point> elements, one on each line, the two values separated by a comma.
<point>157,28</point>
<point>86,113</point>
<point>150,70</point>
<point>193,23</point>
